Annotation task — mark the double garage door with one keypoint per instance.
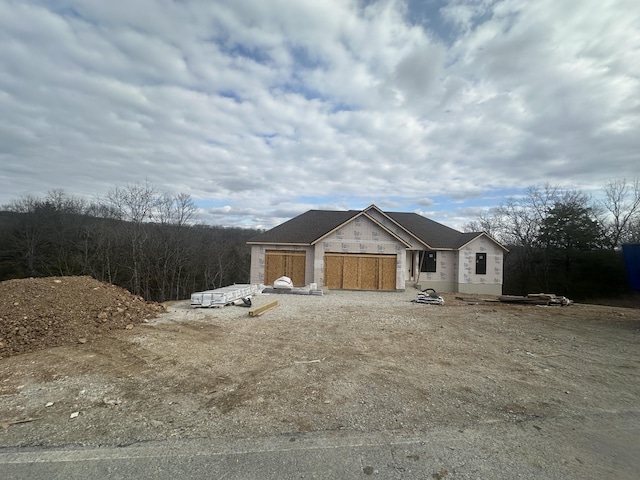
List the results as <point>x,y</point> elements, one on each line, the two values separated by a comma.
<point>359,272</point>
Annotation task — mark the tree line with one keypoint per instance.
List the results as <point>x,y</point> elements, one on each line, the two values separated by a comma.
<point>564,242</point>
<point>560,241</point>
<point>136,237</point>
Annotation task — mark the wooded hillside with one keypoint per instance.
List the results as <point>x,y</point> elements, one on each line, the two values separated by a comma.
<point>135,239</point>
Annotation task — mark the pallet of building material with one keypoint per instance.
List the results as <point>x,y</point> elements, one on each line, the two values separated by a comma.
<point>551,298</point>
<point>220,297</point>
<point>537,299</point>
<point>520,299</point>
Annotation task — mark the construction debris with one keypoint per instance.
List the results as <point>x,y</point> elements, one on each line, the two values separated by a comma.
<point>284,283</point>
<point>548,299</point>
<point>430,297</point>
<point>7,424</point>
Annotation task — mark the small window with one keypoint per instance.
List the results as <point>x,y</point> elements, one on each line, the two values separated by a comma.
<point>428,263</point>
<point>481,263</point>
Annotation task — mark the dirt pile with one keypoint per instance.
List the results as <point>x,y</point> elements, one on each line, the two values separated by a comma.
<point>37,313</point>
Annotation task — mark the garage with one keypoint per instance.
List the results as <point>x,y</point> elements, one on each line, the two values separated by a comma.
<point>360,272</point>
<point>287,263</point>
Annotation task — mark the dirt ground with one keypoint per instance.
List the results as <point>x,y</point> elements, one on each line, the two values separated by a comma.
<point>345,361</point>
<point>37,313</point>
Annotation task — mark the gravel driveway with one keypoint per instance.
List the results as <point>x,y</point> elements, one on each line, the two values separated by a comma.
<point>564,382</point>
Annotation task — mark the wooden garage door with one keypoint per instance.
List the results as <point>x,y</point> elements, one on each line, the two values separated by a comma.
<point>359,272</point>
<point>288,263</point>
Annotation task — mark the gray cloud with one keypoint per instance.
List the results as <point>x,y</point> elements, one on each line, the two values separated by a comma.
<point>268,109</point>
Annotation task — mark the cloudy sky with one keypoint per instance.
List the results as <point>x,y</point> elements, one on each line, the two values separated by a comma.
<point>263,109</point>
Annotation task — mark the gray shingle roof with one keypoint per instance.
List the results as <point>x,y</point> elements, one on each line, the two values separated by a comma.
<point>314,224</point>
<point>434,234</point>
<point>305,228</point>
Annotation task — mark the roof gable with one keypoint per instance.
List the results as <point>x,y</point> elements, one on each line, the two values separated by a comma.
<point>365,214</point>
<point>466,238</point>
<point>356,223</point>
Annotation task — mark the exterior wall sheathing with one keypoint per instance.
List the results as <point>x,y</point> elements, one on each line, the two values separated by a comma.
<point>392,227</point>
<point>445,278</point>
<point>489,283</point>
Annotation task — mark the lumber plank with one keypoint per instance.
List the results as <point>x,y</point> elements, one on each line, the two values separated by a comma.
<point>256,312</point>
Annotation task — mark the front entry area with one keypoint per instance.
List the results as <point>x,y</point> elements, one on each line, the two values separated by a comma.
<point>344,271</point>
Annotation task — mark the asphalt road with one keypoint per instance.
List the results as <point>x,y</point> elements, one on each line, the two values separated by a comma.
<point>602,446</point>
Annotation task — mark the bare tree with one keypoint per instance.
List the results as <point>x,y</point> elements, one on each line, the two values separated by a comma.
<point>176,210</point>
<point>170,238</point>
<point>135,204</point>
<point>65,203</point>
<point>24,204</point>
<point>485,222</point>
<point>622,211</point>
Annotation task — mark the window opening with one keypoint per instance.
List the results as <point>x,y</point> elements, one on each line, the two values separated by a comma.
<point>481,263</point>
<point>428,263</point>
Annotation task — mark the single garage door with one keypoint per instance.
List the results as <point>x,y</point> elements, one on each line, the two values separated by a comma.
<point>359,272</point>
<point>287,263</point>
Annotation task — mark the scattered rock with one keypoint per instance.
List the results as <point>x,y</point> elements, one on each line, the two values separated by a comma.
<point>440,475</point>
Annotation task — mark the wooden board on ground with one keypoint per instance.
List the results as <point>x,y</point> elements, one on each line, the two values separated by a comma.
<point>537,299</point>
<point>256,312</point>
